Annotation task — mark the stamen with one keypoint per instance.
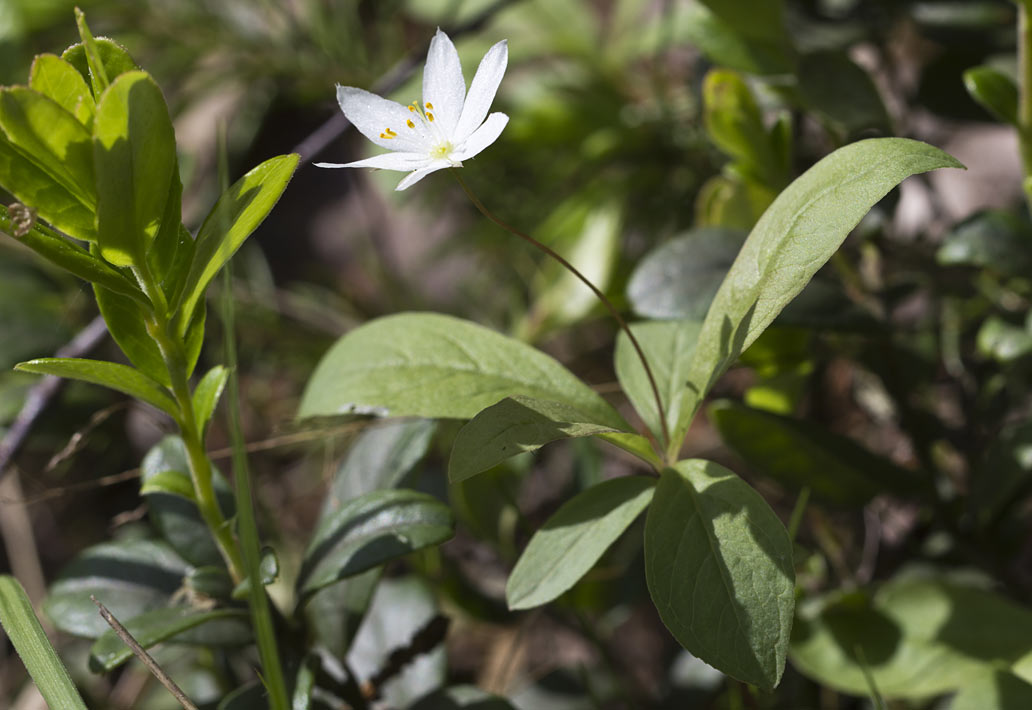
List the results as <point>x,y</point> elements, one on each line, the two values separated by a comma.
<point>412,107</point>
<point>388,134</point>
<point>429,116</point>
<point>410,124</point>
<point>429,106</point>
<point>391,133</point>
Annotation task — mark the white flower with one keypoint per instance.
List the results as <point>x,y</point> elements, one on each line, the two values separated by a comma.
<point>446,129</point>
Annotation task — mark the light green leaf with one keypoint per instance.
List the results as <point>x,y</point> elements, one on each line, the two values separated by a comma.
<point>794,238</point>
<point>56,78</point>
<point>368,531</point>
<point>239,211</point>
<point>575,538</point>
<point>719,567</point>
<point>46,134</point>
<point>668,346</point>
<point>801,454</point>
<point>207,393</point>
<point>432,365</point>
<point>513,426</point>
<point>920,635</point>
<point>126,320</point>
<point>30,641</point>
<point>995,91</point>
<point>170,483</point>
<point>151,628</point>
<point>113,57</point>
<point>996,690</point>
<point>109,374</point>
<point>134,153</point>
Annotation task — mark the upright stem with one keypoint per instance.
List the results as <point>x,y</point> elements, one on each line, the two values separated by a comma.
<point>201,473</point>
<point>594,289</point>
<point>1025,94</point>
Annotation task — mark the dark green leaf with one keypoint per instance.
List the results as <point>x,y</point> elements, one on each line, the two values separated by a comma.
<point>575,538</point>
<point>128,577</point>
<point>379,458</point>
<point>335,612</point>
<point>207,393</point>
<point>151,628</point>
<point>432,365</point>
<point>668,347</point>
<point>726,46</point>
<point>30,641</point>
<point>719,567</point>
<point>513,426</point>
<point>368,531</point>
<point>800,454</point>
<point>997,239</point>
<point>920,635</point>
<point>793,239</point>
<point>239,211</point>
<point>995,91</point>
<point>134,154</point>
<point>832,84</point>
<point>108,374</point>
<point>57,79</point>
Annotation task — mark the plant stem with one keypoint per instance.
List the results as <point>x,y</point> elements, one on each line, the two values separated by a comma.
<point>171,348</point>
<point>594,289</point>
<point>1025,95</point>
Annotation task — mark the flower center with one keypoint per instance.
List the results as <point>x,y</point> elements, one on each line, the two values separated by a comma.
<point>441,150</point>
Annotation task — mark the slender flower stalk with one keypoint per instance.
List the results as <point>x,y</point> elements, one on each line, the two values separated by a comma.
<point>594,289</point>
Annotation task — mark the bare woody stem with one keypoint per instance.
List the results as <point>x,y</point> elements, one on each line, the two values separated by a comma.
<point>594,289</point>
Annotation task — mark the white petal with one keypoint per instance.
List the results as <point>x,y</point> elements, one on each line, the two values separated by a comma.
<point>387,161</point>
<point>417,175</point>
<point>482,90</point>
<point>373,115</point>
<point>444,89</point>
<point>482,137</point>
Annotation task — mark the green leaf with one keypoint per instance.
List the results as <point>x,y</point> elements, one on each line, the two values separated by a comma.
<point>171,502</point>
<point>207,393</point>
<point>719,567</point>
<point>30,641</point>
<point>46,134</point>
<point>334,613</point>
<point>34,187</point>
<point>756,19</point>
<point>668,346</point>
<point>368,531</point>
<point>57,79</point>
<point>801,454</point>
<point>126,320</point>
<point>679,278</point>
<point>73,258</point>
<point>996,239</point>
<point>129,577</point>
<point>575,538</point>
<point>239,211</point>
<point>920,635</point>
<point>833,85</point>
<point>108,54</point>
<point>513,426</point>
<point>1003,341</point>
<point>432,365</point>
<point>98,73</point>
<point>151,628</point>
<point>794,238</point>
<point>726,46</point>
<point>134,153</point>
<point>995,91</point>
<point>108,374</point>
<point>995,690</point>
<point>379,458</point>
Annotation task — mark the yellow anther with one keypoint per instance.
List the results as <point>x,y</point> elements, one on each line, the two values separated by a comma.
<point>390,133</point>
<point>410,124</point>
<point>429,106</point>
<point>429,116</point>
<point>412,108</point>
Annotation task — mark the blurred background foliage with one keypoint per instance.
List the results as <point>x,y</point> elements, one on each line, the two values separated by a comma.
<point>646,138</point>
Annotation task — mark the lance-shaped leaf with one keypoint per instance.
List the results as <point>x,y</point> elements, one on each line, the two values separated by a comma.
<point>718,563</point>
<point>513,426</point>
<point>794,238</point>
<point>368,531</point>
<point>109,374</point>
<point>134,153</point>
<point>234,217</point>
<point>575,538</point>
<point>218,627</point>
<point>432,365</point>
<point>58,79</point>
